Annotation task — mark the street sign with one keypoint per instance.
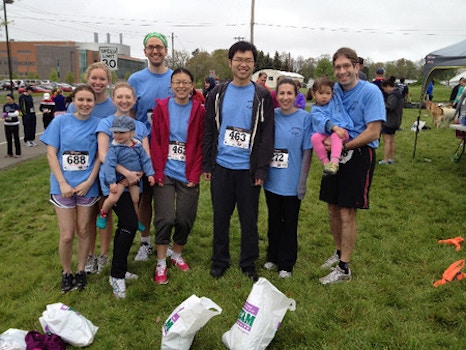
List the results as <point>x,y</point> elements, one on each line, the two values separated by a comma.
<point>109,56</point>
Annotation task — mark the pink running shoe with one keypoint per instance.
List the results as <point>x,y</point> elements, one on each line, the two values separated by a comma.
<point>180,263</point>
<point>161,275</point>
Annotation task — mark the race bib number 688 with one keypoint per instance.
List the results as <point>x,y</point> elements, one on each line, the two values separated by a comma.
<point>75,160</point>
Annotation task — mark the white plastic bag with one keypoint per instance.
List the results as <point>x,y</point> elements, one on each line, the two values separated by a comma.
<point>13,339</point>
<point>259,318</point>
<point>181,326</point>
<point>69,324</point>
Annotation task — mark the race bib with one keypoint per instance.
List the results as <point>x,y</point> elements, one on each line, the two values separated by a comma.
<point>280,159</point>
<point>346,157</point>
<point>237,137</point>
<point>177,151</point>
<point>75,160</point>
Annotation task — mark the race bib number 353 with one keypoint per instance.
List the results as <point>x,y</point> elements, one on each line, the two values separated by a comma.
<point>237,137</point>
<point>75,160</point>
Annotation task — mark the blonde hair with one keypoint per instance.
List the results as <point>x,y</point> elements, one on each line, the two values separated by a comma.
<point>122,84</point>
<point>98,65</point>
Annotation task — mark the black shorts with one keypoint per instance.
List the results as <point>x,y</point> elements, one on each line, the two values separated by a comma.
<point>388,131</point>
<point>349,187</point>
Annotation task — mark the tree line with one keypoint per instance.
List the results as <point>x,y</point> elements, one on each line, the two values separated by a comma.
<point>201,63</point>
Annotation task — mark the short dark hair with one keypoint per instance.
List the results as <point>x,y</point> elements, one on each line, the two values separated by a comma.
<point>346,52</point>
<point>361,60</point>
<point>242,46</point>
<point>182,70</point>
<point>389,82</point>
<point>322,81</point>
<point>288,81</point>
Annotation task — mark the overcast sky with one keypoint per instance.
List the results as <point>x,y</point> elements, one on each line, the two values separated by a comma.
<point>378,30</point>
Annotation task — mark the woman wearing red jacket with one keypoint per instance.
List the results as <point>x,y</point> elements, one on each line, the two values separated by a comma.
<point>177,132</point>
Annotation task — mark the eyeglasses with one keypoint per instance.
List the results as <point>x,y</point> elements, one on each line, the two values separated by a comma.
<point>345,66</point>
<point>157,47</point>
<point>243,60</point>
<point>179,83</point>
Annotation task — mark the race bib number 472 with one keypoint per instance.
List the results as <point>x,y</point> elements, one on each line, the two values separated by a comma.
<point>279,159</point>
<point>75,160</point>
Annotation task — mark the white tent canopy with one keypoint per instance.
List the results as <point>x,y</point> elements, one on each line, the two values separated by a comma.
<point>456,79</point>
<point>273,74</point>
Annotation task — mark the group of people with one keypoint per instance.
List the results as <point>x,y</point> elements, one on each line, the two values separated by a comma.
<point>152,141</point>
<point>50,106</point>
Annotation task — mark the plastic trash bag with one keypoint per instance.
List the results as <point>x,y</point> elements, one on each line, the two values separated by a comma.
<point>13,339</point>
<point>69,324</point>
<point>259,319</point>
<point>190,316</point>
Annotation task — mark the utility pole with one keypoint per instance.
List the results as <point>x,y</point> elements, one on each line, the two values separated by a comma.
<point>252,21</point>
<point>8,44</point>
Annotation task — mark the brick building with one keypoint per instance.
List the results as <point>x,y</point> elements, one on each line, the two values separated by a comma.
<point>40,57</point>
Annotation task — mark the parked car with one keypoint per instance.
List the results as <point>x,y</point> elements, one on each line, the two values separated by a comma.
<point>5,84</point>
<point>65,87</point>
<point>35,89</point>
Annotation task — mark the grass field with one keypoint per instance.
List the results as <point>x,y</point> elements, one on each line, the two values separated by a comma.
<point>390,304</point>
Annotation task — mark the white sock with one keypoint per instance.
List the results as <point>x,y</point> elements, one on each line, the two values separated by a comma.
<point>145,239</point>
<point>161,262</point>
<point>176,256</point>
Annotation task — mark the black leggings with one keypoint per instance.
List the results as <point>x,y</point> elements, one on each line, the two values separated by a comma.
<point>124,234</point>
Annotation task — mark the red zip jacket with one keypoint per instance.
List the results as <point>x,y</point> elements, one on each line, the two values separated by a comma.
<point>160,140</point>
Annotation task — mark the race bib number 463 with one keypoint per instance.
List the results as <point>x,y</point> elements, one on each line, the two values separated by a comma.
<point>237,137</point>
<point>75,160</point>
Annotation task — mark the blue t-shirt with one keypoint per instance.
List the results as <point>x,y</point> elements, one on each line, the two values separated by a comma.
<point>101,110</point>
<point>235,134</point>
<point>292,136</point>
<point>326,116</point>
<point>76,144</point>
<point>149,86</point>
<point>179,120</point>
<point>364,104</point>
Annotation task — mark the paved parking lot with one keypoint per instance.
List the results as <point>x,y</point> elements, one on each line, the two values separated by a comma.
<point>26,152</point>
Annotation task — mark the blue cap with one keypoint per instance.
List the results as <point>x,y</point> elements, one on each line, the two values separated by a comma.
<point>123,124</point>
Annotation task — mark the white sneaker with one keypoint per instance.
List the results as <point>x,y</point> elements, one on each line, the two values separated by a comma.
<point>330,262</point>
<point>269,265</point>
<point>336,276</point>
<point>91,265</point>
<point>144,252</point>
<point>28,144</point>
<point>284,274</point>
<point>130,276</point>
<point>34,144</point>
<point>119,287</point>
<point>102,261</point>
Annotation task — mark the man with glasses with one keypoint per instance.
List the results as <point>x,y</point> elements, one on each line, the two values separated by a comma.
<point>348,190</point>
<point>237,149</point>
<point>150,83</point>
